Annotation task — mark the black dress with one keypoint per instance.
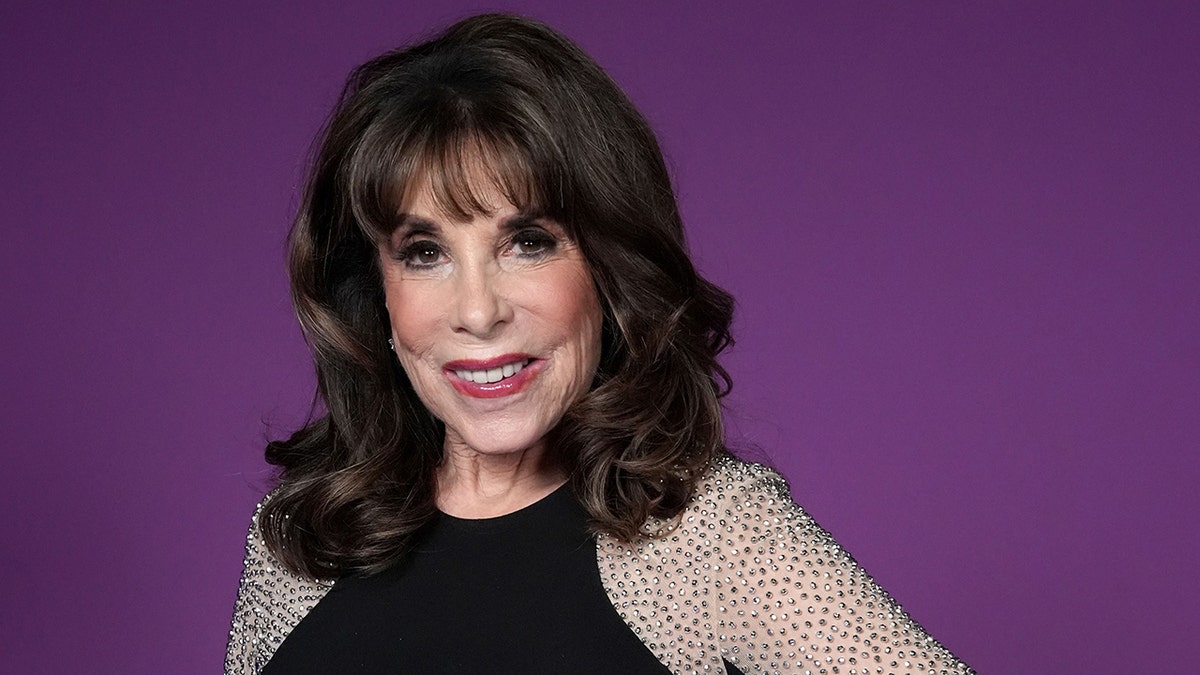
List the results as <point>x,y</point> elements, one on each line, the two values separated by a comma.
<point>516,594</point>
<point>746,573</point>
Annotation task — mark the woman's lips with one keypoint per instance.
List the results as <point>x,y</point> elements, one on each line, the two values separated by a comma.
<point>493,378</point>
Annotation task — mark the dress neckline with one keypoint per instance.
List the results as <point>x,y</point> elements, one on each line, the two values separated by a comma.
<point>551,500</point>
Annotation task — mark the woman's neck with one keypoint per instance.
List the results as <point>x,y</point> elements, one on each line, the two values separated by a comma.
<point>476,485</point>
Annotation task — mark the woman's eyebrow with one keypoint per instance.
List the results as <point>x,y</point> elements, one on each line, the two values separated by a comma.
<point>408,222</point>
<point>522,220</point>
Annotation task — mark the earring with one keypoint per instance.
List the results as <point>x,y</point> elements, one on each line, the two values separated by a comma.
<point>391,345</point>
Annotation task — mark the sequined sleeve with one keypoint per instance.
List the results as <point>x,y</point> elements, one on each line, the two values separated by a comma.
<point>790,599</point>
<point>270,602</point>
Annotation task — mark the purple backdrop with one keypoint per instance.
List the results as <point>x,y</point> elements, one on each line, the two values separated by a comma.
<point>964,240</point>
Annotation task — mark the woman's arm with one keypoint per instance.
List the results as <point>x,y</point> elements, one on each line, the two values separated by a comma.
<point>270,602</point>
<point>789,598</point>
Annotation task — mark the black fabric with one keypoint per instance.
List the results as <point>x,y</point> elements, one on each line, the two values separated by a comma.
<point>516,594</point>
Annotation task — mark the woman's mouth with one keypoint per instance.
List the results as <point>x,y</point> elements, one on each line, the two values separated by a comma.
<point>492,375</point>
<point>493,378</point>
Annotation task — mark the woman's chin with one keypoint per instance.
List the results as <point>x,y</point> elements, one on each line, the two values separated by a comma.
<point>497,445</point>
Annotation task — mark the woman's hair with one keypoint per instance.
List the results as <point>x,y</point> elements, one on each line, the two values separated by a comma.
<point>558,138</point>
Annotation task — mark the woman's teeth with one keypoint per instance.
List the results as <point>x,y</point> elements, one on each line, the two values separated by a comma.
<point>492,374</point>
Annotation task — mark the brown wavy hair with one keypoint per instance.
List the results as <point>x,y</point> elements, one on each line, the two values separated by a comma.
<point>561,139</point>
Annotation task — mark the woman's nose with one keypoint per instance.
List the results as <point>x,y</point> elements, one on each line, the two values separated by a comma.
<point>480,306</point>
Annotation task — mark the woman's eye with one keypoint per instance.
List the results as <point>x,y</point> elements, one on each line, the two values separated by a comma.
<point>421,254</point>
<point>533,243</point>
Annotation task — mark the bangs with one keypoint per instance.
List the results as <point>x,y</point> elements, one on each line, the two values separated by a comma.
<point>458,163</point>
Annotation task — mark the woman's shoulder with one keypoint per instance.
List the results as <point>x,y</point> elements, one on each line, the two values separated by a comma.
<point>751,504</point>
<point>736,501</point>
<point>730,469</point>
<point>259,555</point>
<point>735,484</point>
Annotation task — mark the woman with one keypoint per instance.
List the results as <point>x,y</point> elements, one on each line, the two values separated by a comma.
<point>521,467</point>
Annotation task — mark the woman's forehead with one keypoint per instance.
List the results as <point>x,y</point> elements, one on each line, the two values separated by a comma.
<point>463,187</point>
<point>424,211</point>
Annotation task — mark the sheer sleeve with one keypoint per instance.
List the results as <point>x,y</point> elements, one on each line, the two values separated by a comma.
<point>790,599</point>
<point>270,602</point>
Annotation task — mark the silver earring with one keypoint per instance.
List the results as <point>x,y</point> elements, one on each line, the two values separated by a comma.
<point>391,345</point>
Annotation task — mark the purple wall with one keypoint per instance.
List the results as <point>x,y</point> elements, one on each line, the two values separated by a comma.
<point>964,240</point>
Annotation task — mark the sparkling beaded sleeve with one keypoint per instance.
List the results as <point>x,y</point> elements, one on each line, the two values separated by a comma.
<point>270,602</point>
<point>747,577</point>
<point>790,599</point>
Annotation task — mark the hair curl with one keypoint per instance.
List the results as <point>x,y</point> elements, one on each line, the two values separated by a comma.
<point>558,137</point>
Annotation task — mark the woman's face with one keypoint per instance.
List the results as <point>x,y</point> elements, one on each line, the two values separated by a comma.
<point>495,320</point>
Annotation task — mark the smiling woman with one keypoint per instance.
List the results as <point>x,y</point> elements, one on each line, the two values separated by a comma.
<point>521,465</point>
<point>496,323</point>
